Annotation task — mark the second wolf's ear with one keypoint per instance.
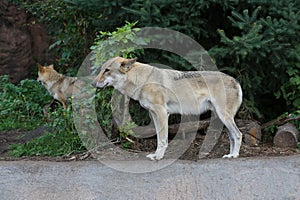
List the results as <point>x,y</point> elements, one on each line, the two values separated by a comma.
<point>127,65</point>
<point>40,67</point>
<point>51,66</point>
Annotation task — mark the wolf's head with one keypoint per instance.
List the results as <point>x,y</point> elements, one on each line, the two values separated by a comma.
<point>46,74</point>
<point>113,72</point>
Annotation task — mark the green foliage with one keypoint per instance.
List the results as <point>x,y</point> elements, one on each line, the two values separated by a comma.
<point>290,89</point>
<point>125,131</point>
<point>21,106</point>
<point>63,141</point>
<point>178,15</point>
<point>103,110</point>
<point>74,24</point>
<point>296,122</point>
<point>264,55</point>
<point>139,114</point>
<point>123,42</point>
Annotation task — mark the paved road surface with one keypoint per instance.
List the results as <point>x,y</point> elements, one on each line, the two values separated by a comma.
<point>251,178</point>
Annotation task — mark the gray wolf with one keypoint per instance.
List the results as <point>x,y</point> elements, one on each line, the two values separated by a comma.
<point>58,85</point>
<point>165,91</point>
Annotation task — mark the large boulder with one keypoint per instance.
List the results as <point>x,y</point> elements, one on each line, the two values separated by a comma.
<point>23,42</point>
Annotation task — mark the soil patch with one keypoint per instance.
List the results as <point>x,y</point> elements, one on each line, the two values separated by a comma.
<point>140,148</point>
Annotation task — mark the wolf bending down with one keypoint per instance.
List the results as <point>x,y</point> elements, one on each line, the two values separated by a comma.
<point>58,85</point>
<point>165,91</point>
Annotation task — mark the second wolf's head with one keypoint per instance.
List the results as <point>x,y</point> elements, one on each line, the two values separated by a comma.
<point>113,72</point>
<point>47,74</point>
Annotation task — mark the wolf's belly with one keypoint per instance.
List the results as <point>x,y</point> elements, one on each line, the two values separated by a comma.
<point>188,107</point>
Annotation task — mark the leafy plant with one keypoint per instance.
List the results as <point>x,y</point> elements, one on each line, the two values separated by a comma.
<point>264,55</point>
<point>62,140</point>
<point>240,50</point>
<point>125,131</point>
<point>108,45</point>
<point>103,110</point>
<point>21,106</point>
<point>122,42</point>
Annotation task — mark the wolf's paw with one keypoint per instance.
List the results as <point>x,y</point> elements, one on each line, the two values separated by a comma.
<point>231,156</point>
<point>152,156</point>
<point>155,156</point>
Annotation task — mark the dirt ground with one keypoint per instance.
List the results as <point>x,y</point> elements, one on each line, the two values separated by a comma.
<point>142,145</point>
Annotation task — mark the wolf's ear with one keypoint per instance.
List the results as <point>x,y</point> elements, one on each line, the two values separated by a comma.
<point>51,66</point>
<point>40,67</point>
<point>127,65</point>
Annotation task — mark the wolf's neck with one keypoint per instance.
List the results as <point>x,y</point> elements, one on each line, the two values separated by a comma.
<point>130,89</point>
<point>55,76</point>
<point>56,79</point>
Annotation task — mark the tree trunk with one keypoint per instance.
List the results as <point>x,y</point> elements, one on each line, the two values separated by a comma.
<point>286,136</point>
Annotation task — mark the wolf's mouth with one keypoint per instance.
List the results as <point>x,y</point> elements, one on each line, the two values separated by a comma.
<point>106,84</point>
<point>42,82</point>
<point>100,85</point>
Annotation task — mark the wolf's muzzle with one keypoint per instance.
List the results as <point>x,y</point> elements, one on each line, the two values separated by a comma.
<point>100,84</point>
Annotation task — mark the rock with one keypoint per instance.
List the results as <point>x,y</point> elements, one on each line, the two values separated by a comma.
<point>30,135</point>
<point>252,133</point>
<point>22,42</point>
<point>286,136</point>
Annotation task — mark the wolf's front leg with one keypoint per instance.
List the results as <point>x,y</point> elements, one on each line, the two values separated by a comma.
<point>160,118</point>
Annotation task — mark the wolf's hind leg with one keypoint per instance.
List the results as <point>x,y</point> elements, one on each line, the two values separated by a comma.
<point>236,139</point>
<point>61,98</point>
<point>235,136</point>
<point>64,103</point>
<point>46,108</point>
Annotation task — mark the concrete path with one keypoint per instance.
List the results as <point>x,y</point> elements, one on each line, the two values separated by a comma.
<point>243,178</point>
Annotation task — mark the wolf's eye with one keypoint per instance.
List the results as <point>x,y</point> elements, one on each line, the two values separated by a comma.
<point>106,70</point>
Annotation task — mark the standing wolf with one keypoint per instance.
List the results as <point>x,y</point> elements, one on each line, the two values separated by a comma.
<point>59,85</point>
<point>164,92</point>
